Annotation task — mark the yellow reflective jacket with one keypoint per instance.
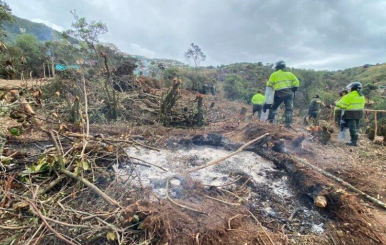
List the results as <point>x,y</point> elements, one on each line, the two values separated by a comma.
<point>282,79</point>
<point>353,103</point>
<point>337,107</point>
<point>258,99</point>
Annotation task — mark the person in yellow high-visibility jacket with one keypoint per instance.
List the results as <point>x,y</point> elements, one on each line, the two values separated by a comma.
<point>285,85</point>
<point>337,109</point>
<point>257,102</point>
<point>353,105</point>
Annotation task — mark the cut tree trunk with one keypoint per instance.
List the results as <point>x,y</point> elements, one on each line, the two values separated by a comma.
<point>169,101</point>
<point>75,111</point>
<point>200,113</point>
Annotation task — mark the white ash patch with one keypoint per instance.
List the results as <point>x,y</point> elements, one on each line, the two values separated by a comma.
<point>179,161</point>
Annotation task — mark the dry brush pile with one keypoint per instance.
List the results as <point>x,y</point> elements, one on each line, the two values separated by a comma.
<point>57,179</point>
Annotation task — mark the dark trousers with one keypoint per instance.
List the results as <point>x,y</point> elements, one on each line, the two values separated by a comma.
<point>288,106</point>
<point>313,114</point>
<point>258,109</point>
<point>353,125</point>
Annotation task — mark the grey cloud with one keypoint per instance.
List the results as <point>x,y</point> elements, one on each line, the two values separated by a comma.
<point>328,34</point>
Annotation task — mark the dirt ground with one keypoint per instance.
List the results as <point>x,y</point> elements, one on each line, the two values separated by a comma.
<point>363,167</point>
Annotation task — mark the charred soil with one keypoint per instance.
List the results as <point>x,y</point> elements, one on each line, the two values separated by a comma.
<point>84,201</point>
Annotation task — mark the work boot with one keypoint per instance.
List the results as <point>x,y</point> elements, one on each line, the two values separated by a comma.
<point>351,143</point>
<point>288,125</point>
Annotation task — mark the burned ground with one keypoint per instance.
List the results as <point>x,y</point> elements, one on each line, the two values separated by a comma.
<point>242,211</point>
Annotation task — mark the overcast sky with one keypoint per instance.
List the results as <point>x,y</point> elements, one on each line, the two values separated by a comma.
<point>317,34</point>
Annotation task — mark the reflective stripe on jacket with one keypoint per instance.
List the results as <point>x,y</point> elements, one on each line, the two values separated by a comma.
<point>352,101</point>
<point>258,99</point>
<point>282,79</point>
<point>353,104</point>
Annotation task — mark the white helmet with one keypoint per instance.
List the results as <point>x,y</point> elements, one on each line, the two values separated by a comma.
<point>354,85</point>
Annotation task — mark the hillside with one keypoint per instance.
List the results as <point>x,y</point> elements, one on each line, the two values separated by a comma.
<point>22,26</point>
<point>147,66</point>
<point>253,72</point>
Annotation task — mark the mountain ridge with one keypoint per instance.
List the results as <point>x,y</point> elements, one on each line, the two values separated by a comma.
<point>21,26</point>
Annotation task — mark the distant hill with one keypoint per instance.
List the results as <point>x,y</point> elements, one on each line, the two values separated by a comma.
<point>22,26</point>
<point>147,65</point>
<point>168,63</point>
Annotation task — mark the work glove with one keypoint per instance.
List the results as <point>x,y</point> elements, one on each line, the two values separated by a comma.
<point>266,107</point>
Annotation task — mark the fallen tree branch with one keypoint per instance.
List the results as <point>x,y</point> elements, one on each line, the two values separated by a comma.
<point>14,227</point>
<point>214,162</point>
<point>75,225</point>
<point>87,183</point>
<point>37,211</point>
<point>51,185</point>
<point>344,183</point>
<point>94,188</point>
<point>68,224</point>
<point>232,218</point>
<point>147,163</point>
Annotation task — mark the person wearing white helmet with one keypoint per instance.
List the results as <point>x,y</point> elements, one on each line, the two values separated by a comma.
<point>352,106</point>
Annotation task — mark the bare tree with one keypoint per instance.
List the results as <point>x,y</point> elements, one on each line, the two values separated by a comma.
<point>196,56</point>
<point>88,32</point>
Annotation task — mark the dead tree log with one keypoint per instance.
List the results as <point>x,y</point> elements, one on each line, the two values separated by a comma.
<point>316,190</point>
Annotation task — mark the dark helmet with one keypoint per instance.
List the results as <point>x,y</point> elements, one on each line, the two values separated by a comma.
<point>355,86</point>
<point>316,96</point>
<point>280,65</point>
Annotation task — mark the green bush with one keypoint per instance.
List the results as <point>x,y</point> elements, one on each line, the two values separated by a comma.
<point>234,87</point>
